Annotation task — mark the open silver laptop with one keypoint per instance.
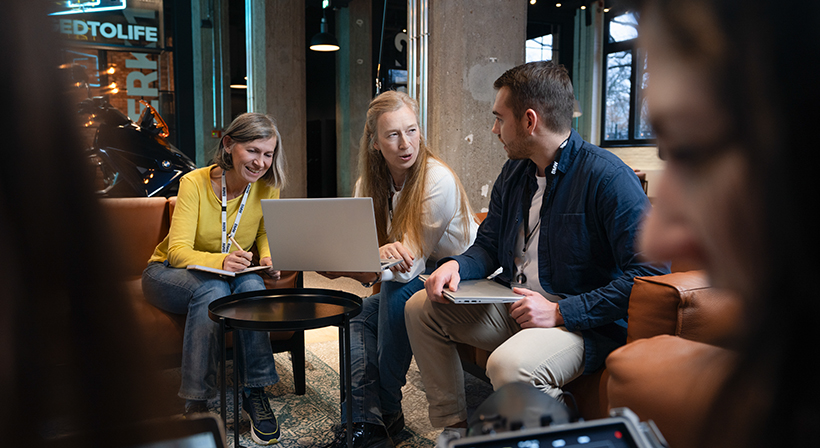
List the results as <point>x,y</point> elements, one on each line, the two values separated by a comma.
<point>330,234</point>
<point>479,291</point>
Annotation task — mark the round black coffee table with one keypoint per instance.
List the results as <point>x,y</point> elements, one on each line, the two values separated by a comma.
<point>286,310</point>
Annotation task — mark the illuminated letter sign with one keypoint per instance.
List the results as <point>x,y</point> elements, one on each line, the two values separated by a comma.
<point>90,24</point>
<point>138,83</point>
<point>80,6</point>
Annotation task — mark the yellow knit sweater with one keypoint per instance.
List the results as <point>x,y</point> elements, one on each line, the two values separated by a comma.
<point>196,225</point>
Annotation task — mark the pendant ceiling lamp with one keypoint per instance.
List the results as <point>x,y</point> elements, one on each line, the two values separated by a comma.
<point>324,41</point>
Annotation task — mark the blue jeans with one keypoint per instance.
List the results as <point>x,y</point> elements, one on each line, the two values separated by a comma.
<point>182,291</point>
<point>380,352</point>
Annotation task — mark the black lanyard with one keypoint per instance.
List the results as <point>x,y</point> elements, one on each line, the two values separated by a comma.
<point>526,202</point>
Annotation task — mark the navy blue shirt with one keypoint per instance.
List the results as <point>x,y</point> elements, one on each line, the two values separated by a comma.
<point>586,247</point>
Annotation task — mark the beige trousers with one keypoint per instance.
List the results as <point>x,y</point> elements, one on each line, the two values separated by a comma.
<point>548,358</point>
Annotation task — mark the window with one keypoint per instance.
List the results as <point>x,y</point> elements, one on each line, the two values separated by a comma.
<point>539,49</point>
<point>625,119</point>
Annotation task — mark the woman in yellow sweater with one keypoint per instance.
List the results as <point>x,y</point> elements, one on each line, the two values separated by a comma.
<point>201,234</point>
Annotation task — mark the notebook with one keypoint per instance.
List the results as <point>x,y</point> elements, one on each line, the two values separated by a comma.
<point>479,291</point>
<point>224,272</point>
<point>327,234</point>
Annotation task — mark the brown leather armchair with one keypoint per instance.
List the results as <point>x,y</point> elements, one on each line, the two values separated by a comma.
<point>674,362</point>
<point>137,225</point>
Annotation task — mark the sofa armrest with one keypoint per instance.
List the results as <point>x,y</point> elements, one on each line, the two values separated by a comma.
<point>137,225</point>
<point>682,304</point>
<point>670,380</point>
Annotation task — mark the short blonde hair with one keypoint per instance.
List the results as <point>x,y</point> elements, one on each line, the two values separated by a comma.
<point>248,127</point>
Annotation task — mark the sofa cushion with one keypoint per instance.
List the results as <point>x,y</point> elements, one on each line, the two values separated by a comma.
<point>670,380</point>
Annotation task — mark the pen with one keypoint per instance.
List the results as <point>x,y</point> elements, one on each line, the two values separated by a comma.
<point>236,244</point>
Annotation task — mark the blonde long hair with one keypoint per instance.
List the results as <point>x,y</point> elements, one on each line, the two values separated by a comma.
<point>375,179</point>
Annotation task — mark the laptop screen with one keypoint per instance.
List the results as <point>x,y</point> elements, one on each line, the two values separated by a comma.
<point>202,440</point>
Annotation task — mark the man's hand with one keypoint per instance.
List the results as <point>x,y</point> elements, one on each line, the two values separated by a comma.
<point>535,311</point>
<point>446,274</point>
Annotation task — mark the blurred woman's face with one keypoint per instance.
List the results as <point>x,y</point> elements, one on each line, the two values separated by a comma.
<point>703,209</point>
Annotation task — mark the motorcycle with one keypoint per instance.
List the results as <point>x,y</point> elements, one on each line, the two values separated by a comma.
<point>129,159</point>
<point>133,159</point>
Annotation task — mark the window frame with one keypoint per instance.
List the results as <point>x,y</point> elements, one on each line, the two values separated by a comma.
<point>630,45</point>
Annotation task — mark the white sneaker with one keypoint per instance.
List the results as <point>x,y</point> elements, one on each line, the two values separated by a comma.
<point>450,434</point>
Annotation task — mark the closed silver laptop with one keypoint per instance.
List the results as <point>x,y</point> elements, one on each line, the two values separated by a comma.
<point>479,291</point>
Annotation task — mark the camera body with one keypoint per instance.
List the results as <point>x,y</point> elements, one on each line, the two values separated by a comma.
<point>519,415</point>
<point>623,429</point>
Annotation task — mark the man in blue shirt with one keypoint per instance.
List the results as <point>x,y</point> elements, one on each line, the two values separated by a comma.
<point>562,222</point>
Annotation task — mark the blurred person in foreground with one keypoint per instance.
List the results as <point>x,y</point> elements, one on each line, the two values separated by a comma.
<point>734,99</point>
<point>74,368</point>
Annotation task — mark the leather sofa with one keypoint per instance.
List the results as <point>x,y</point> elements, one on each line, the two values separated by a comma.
<point>137,225</point>
<point>673,362</point>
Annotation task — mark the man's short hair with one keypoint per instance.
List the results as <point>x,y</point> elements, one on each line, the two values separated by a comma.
<point>544,87</point>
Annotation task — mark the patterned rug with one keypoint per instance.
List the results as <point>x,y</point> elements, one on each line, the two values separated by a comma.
<point>309,421</point>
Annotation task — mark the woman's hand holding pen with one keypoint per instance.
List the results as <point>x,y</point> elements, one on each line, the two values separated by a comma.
<point>237,260</point>
<point>397,250</point>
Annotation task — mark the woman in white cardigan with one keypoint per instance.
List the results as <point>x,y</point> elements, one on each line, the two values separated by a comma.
<point>422,215</point>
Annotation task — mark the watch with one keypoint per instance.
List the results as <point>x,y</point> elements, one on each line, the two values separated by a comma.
<point>370,284</point>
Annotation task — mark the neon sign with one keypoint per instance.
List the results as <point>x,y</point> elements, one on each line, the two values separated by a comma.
<point>81,7</point>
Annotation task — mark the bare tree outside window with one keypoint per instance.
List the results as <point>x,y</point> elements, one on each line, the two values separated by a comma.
<point>618,89</point>
<point>625,113</point>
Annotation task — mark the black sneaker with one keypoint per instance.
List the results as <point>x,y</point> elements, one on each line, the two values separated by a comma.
<point>264,427</point>
<point>394,423</point>
<point>194,407</point>
<point>365,435</point>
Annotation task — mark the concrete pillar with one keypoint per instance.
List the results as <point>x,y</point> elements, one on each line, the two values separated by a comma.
<point>277,80</point>
<point>472,42</point>
<point>354,88</point>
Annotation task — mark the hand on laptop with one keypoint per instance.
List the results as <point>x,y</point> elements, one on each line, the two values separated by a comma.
<point>535,311</point>
<point>446,274</point>
<point>397,250</point>
<point>274,274</point>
